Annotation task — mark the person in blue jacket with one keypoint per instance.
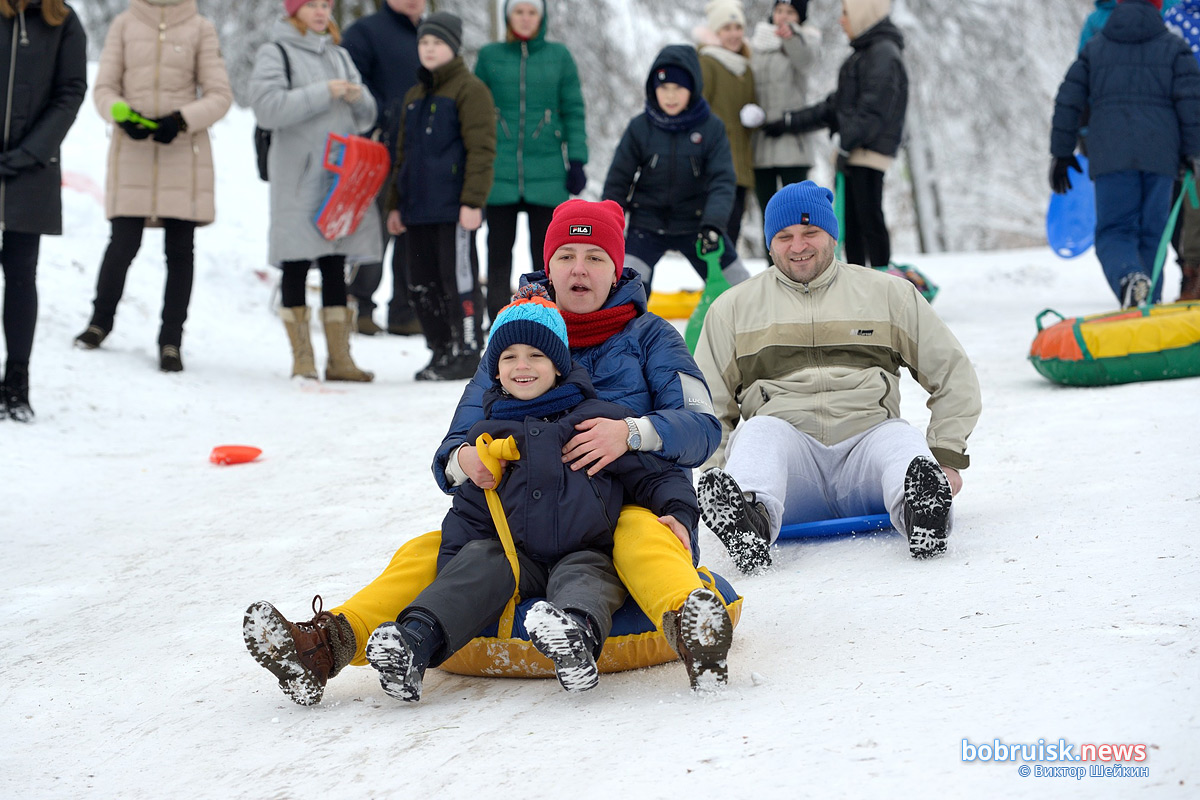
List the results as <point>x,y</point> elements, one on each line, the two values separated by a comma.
<point>1143,127</point>
<point>635,359</point>
<point>673,172</point>
<point>383,46</point>
<point>561,521</point>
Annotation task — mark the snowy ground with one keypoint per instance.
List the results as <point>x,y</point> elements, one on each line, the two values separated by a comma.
<point>1066,607</point>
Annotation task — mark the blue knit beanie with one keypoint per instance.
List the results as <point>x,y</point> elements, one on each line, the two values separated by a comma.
<point>800,204</point>
<point>533,320</point>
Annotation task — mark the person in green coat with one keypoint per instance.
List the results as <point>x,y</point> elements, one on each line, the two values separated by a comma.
<point>541,141</point>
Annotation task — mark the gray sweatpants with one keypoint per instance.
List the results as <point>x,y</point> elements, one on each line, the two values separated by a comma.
<point>799,479</point>
<point>470,592</point>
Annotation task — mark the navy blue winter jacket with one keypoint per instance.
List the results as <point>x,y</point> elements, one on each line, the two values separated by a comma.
<point>1143,86</point>
<point>551,509</point>
<point>674,181</point>
<point>646,367</point>
<point>384,48</point>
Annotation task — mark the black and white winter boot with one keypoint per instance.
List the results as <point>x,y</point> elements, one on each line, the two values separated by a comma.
<point>927,499</point>
<point>559,637</point>
<point>15,389</point>
<point>401,651</point>
<point>740,523</point>
<point>701,633</point>
<point>91,338</point>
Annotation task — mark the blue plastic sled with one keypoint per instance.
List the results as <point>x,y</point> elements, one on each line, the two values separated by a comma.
<point>1071,217</point>
<point>836,527</point>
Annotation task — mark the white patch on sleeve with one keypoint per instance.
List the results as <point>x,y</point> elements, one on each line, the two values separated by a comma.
<point>695,395</point>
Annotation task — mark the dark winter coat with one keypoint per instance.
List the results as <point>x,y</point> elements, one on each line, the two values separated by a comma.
<point>553,510</point>
<point>46,68</point>
<point>646,367</point>
<point>540,119</point>
<point>384,48</point>
<point>447,146</point>
<point>1142,84</point>
<point>674,181</point>
<point>867,109</point>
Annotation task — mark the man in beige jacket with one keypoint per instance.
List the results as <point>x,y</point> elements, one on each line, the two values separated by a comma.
<point>808,355</point>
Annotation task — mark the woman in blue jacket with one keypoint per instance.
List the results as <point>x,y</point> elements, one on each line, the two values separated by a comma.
<point>635,359</point>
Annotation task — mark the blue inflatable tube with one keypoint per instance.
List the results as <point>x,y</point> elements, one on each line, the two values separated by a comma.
<point>836,527</point>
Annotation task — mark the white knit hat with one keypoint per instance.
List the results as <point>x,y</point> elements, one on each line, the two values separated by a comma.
<point>722,12</point>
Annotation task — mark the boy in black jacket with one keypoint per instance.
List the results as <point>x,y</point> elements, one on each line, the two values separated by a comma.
<point>561,520</point>
<point>673,172</point>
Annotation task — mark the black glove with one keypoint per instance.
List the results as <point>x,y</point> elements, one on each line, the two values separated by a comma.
<point>843,162</point>
<point>710,239</point>
<point>774,129</point>
<point>576,177</point>
<point>169,127</point>
<point>135,130</point>
<point>17,161</point>
<point>1060,181</point>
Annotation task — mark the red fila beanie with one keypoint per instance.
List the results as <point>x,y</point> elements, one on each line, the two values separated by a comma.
<point>584,222</point>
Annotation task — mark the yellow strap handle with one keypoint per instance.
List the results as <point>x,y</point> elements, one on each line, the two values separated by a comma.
<point>491,452</point>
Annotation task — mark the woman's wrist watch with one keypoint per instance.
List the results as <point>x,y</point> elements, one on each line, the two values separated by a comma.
<point>634,442</point>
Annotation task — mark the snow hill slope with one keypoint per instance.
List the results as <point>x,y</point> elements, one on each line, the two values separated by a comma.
<point>1065,608</point>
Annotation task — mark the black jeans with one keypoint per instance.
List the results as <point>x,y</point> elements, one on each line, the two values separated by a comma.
<point>333,281</point>
<point>179,235</point>
<point>769,180</point>
<point>367,277</point>
<point>867,241</point>
<point>19,255</point>
<point>502,234</point>
<point>444,284</point>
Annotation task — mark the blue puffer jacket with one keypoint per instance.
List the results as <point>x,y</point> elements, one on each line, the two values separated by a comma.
<point>551,509</point>
<point>674,181</point>
<point>645,367</point>
<point>1143,86</point>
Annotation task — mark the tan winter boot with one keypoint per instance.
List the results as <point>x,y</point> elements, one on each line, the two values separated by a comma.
<point>295,320</point>
<point>341,367</point>
<point>1189,288</point>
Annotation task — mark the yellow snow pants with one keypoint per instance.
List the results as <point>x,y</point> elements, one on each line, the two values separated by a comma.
<point>654,565</point>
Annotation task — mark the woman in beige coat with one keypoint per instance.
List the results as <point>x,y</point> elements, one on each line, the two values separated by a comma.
<point>162,59</point>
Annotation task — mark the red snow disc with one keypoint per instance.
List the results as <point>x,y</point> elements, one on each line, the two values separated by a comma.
<point>233,454</point>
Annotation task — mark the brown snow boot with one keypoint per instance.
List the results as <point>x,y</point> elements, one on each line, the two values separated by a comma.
<point>341,367</point>
<point>295,320</point>
<point>302,655</point>
<point>1189,287</point>
<point>701,633</point>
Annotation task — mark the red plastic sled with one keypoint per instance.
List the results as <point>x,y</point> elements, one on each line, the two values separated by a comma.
<point>360,166</point>
<point>233,454</point>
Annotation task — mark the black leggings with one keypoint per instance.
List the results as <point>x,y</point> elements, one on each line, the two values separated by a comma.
<point>178,238</point>
<point>333,281</point>
<point>502,234</point>
<point>19,255</point>
<point>866,238</point>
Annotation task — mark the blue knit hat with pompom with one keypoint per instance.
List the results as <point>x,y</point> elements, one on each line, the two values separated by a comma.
<point>532,319</point>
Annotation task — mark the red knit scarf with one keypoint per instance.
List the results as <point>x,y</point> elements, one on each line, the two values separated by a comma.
<point>589,330</point>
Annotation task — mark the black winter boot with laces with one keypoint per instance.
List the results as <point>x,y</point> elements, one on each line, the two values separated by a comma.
<point>740,522</point>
